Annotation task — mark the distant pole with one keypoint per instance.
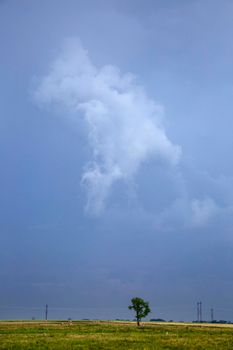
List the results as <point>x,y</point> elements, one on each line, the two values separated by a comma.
<point>46,312</point>
<point>200,311</point>
<point>212,315</point>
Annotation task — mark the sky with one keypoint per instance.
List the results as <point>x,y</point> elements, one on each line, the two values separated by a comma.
<point>116,168</point>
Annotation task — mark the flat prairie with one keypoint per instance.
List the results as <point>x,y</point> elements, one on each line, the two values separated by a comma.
<point>67,335</point>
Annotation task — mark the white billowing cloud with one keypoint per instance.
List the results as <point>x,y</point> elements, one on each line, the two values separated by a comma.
<point>124,125</point>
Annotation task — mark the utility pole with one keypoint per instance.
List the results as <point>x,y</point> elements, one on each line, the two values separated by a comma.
<point>46,312</point>
<point>200,311</point>
<point>212,315</point>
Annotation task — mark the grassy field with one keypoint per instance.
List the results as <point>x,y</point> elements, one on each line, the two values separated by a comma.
<point>64,335</point>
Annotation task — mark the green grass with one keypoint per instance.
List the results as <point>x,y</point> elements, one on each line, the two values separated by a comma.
<point>64,335</point>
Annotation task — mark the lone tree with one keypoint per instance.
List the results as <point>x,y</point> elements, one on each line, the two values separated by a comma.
<point>141,307</point>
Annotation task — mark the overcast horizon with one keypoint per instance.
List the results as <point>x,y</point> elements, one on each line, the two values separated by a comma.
<point>115,147</point>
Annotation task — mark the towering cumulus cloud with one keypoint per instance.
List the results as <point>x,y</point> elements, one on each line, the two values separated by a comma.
<point>125,126</point>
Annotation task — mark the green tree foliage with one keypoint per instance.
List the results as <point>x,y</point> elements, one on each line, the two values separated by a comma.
<point>141,308</point>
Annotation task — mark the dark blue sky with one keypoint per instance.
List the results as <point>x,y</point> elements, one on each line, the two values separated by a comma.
<point>115,146</point>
